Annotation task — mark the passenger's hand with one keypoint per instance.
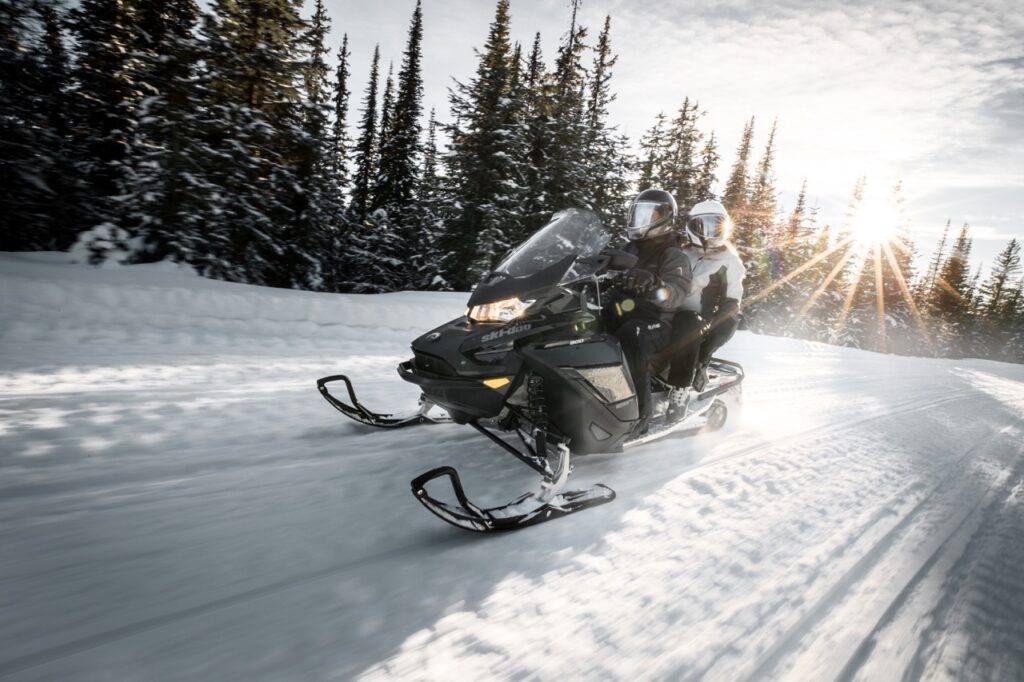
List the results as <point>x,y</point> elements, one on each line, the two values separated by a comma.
<point>639,281</point>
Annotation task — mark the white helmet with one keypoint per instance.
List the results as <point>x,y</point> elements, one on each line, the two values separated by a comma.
<point>709,225</point>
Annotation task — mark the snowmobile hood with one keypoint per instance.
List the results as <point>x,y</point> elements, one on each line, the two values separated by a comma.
<point>498,286</point>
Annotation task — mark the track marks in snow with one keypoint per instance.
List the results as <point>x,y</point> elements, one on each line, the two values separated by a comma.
<point>784,517</point>
<point>976,630</point>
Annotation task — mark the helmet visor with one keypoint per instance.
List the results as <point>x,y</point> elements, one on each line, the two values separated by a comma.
<point>647,213</point>
<point>711,229</point>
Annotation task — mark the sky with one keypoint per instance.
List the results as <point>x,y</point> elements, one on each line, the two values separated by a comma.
<point>930,93</point>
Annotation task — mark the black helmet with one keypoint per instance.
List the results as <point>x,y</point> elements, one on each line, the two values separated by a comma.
<point>652,214</point>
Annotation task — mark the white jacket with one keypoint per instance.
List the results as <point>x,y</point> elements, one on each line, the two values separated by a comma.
<point>724,262</point>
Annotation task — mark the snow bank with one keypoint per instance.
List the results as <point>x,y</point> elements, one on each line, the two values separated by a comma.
<point>48,298</point>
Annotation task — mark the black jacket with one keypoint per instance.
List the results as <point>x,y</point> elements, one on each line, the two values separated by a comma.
<point>663,258</point>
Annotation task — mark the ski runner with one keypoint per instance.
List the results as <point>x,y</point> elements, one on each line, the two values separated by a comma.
<point>651,293</point>
<point>711,308</point>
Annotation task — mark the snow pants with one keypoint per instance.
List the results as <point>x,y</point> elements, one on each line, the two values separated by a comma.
<point>694,340</point>
<point>641,339</point>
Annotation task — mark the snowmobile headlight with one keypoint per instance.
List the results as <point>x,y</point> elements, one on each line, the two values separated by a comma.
<point>610,382</point>
<point>499,311</point>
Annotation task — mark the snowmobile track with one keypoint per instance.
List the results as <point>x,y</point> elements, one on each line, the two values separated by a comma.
<point>786,644</point>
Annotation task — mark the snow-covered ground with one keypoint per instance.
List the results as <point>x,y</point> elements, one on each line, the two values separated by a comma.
<point>178,502</point>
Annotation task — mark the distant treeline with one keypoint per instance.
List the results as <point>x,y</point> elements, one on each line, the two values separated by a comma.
<point>148,130</point>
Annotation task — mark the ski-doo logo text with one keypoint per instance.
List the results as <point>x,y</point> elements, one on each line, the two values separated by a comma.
<point>507,331</point>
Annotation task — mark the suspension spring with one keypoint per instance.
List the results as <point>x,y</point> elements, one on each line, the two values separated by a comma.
<point>537,403</point>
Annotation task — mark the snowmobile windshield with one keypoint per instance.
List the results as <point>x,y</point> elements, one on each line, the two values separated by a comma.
<point>573,232</point>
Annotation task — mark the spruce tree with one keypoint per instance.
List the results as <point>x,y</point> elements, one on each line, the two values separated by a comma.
<point>339,131</point>
<point>606,153</point>
<point>754,233</point>
<point>535,105</point>
<point>387,106</point>
<point>950,304</point>
<point>796,244</point>
<point>167,193</point>
<point>41,202</point>
<point>927,283</point>
<point>681,165</point>
<point>760,215</point>
<point>709,160</point>
<point>396,214</point>
<point>803,261</point>
<point>365,150</point>
<point>400,146</point>
<point>423,245</point>
<point>565,171</point>
<point>253,58</point>
<point>485,161</point>
<point>317,205</point>
<point>737,191</point>
<point>996,292</point>
<point>101,105</point>
<point>653,155</point>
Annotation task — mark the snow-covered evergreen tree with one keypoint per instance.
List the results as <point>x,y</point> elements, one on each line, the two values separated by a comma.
<point>950,305</point>
<point>755,232</point>
<point>681,167</point>
<point>606,150</point>
<point>41,202</point>
<point>168,188</point>
<point>565,171</point>
<point>924,285</point>
<point>996,293</point>
<point>317,202</point>
<point>102,102</point>
<point>365,150</point>
<point>253,57</point>
<point>653,155</point>
<point>706,177</point>
<point>736,194</point>
<point>339,132</point>
<point>424,242</point>
<point>485,161</point>
<point>387,106</point>
<point>396,213</point>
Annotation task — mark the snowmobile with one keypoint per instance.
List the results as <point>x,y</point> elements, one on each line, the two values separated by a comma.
<point>530,360</point>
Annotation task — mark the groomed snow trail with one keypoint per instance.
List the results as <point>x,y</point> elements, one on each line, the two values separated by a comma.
<point>178,503</point>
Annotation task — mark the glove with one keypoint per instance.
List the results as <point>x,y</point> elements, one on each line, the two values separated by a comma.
<point>639,282</point>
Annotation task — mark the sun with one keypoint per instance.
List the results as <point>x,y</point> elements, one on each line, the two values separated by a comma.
<point>873,223</point>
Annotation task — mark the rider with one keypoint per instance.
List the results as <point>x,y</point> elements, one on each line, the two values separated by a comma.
<point>711,308</point>
<point>651,293</point>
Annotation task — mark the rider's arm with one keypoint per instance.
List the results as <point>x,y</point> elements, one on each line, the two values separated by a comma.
<point>734,274</point>
<point>676,277</point>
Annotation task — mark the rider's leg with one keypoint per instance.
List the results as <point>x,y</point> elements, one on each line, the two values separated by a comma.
<point>686,344</point>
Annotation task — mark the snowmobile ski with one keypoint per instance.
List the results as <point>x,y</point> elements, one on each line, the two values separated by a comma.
<point>547,504</point>
<point>362,415</point>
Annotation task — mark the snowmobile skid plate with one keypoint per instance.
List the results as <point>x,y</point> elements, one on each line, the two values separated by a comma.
<point>359,413</point>
<point>529,509</point>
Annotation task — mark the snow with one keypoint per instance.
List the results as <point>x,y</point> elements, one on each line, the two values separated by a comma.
<point>177,503</point>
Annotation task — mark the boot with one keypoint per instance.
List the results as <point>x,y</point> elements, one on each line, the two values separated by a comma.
<point>678,403</point>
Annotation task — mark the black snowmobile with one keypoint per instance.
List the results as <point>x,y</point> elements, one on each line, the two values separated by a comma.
<point>530,358</point>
